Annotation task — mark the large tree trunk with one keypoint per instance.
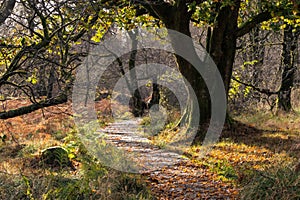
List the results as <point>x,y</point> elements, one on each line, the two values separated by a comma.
<point>222,48</point>
<point>289,68</point>
<point>223,40</point>
<point>180,21</point>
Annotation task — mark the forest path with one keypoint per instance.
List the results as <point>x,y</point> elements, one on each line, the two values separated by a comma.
<point>170,176</point>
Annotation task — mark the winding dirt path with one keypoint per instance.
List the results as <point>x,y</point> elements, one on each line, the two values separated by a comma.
<point>170,176</point>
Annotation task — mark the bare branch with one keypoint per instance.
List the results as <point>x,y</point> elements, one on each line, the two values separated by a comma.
<point>264,91</point>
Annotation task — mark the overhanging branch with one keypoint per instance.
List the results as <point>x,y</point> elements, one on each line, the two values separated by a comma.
<point>252,23</point>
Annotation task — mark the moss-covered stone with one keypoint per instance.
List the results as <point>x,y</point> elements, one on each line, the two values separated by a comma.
<point>56,156</point>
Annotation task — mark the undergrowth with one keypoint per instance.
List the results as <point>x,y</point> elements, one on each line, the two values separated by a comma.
<point>251,156</point>
<point>281,183</point>
<point>23,175</point>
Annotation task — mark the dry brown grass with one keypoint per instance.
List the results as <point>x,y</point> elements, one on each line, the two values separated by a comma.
<point>24,176</point>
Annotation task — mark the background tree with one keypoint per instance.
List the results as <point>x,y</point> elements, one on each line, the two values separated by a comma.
<point>6,9</point>
<point>289,66</point>
<point>277,74</point>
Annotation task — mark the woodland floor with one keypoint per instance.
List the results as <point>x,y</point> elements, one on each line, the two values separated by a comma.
<point>170,176</point>
<point>254,143</point>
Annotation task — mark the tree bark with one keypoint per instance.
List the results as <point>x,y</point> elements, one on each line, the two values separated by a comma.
<point>155,97</point>
<point>6,10</point>
<point>51,81</point>
<point>33,107</point>
<point>257,54</point>
<point>222,45</point>
<point>289,68</point>
<point>223,40</point>
<point>137,101</point>
<point>179,20</point>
